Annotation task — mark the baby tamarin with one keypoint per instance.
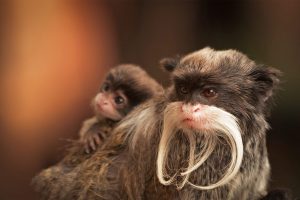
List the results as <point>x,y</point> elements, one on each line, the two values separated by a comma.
<point>205,138</point>
<point>124,87</point>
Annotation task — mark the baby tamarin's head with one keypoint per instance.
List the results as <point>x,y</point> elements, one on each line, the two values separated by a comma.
<point>124,87</point>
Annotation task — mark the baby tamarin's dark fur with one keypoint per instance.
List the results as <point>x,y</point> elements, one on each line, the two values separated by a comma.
<point>204,139</point>
<point>125,87</point>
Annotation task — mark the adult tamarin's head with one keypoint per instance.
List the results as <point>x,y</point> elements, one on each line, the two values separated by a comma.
<point>215,96</point>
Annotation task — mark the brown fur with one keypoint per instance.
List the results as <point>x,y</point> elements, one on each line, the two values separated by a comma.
<point>125,166</point>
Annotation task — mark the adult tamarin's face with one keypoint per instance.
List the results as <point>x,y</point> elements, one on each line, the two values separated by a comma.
<point>212,92</point>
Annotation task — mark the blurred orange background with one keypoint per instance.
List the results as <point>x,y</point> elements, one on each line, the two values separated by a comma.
<point>54,54</point>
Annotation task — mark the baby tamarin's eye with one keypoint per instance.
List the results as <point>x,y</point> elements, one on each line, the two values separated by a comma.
<point>209,92</point>
<point>119,100</point>
<point>105,87</point>
<point>183,89</point>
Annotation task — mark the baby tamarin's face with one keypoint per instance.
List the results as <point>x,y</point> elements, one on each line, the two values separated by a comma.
<point>124,87</point>
<point>110,103</point>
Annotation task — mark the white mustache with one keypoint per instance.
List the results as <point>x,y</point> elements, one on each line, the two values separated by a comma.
<point>219,123</point>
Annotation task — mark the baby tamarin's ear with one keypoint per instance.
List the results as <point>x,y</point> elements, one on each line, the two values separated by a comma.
<point>169,64</point>
<point>266,80</point>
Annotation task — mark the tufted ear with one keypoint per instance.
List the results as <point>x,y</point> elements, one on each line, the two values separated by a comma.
<point>266,80</point>
<point>169,64</point>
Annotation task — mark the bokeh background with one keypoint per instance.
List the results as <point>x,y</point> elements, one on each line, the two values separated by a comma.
<point>54,54</point>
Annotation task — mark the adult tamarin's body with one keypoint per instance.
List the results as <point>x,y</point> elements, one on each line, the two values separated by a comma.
<point>124,87</point>
<point>204,139</point>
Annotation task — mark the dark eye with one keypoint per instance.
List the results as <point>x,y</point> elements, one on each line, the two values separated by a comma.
<point>105,87</point>
<point>183,89</point>
<point>209,92</point>
<point>119,100</point>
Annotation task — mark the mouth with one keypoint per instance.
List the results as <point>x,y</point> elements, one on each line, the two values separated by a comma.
<point>198,123</point>
<point>189,122</point>
<point>98,106</point>
<point>99,109</point>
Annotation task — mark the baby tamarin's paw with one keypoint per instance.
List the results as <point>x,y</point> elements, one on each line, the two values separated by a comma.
<point>91,140</point>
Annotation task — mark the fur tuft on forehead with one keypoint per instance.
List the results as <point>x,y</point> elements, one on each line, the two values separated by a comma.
<point>209,60</point>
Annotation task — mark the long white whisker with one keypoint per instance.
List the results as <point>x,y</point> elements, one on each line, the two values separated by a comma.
<point>217,123</point>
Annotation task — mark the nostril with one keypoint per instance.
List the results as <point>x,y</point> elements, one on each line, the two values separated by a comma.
<point>197,108</point>
<point>183,108</point>
<point>188,108</point>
